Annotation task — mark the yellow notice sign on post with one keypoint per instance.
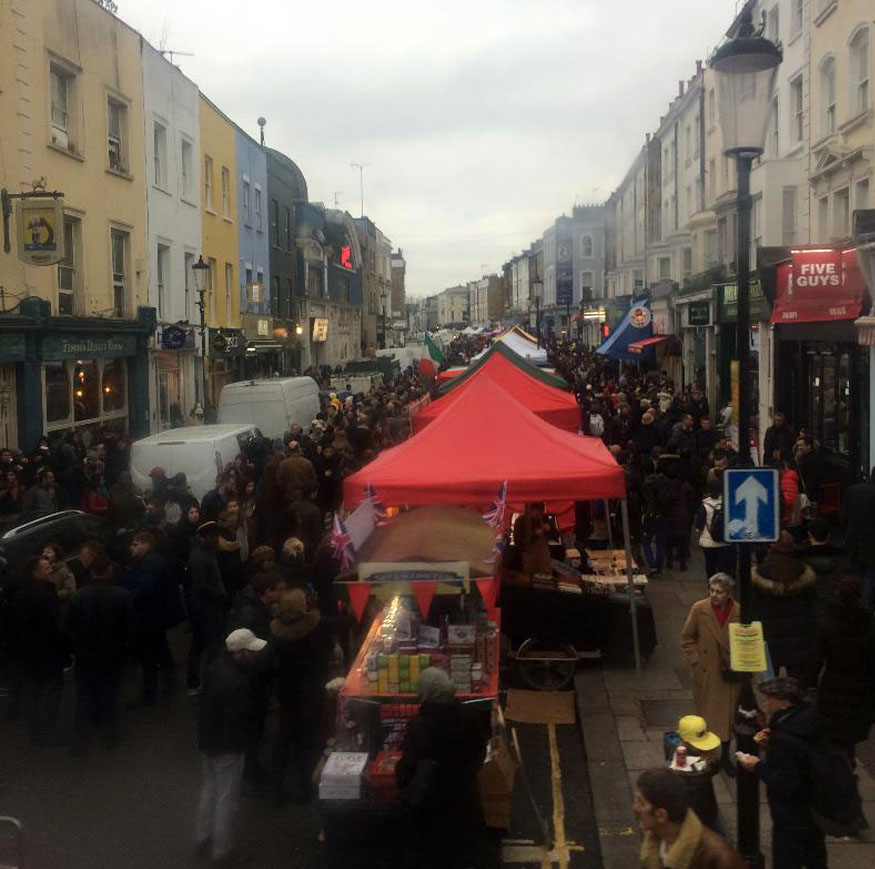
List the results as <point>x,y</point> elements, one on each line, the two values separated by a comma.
<point>747,651</point>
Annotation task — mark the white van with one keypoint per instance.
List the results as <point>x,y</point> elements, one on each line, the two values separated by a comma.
<point>200,452</point>
<point>272,404</point>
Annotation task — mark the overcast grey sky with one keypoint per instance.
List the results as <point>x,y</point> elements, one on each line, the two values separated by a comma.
<point>484,119</point>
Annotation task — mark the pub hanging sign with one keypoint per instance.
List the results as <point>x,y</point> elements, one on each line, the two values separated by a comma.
<point>40,231</point>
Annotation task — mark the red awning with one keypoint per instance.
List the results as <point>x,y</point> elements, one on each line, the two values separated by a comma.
<point>641,346</point>
<point>818,286</point>
<point>486,437</point>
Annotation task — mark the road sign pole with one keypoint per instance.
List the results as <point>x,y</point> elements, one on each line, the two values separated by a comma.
<point>747,793</point>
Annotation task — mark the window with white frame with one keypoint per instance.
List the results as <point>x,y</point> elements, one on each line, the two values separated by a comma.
<point>774,135</point>
<point>798,16</point>
<point>841,213</point>
<point>823,218</point>
<point>259,220</point>
<point>828,96</point>
<point>861,194</point>
<point>586,281</point>
<point>712,252</point>
<point>773,24</point>
<point>187,278</point>
<point>664,265</point>
<point>229,284</point>
<point>69,272</point>
<point>246,201</point>
<point>226,192</point>
<point>859,71</point>
<point>120,255</point>
<point>162,268</point>
<point>159,144</point>
<point>586,246</point>
<point>62,102</point>
<point>208,182</point>
<point>797,106</point>
<point>211,290</point>
<point>788,216</point>
<point>186,170</point>
<point>117,127</point>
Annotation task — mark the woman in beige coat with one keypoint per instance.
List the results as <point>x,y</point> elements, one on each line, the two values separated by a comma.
<point>705,642</point>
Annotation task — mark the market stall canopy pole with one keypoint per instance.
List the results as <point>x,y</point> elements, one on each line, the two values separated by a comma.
<point>633,613</point>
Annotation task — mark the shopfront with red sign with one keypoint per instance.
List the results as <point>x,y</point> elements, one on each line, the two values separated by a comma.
<point>821,374</point>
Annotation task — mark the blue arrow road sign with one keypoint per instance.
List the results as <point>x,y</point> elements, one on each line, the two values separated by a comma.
<point>751,505</point>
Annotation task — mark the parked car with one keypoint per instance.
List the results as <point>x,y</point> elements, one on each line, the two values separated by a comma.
<point>272,405</point>
<point>200,452</point>
<point>70,528</point>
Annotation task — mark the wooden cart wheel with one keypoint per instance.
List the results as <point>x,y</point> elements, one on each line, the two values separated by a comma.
<point>546,666</point>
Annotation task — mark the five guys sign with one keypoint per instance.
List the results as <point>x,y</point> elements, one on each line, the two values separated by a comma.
<point>819,285</point>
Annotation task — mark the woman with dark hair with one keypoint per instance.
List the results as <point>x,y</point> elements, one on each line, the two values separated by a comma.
<point>11,494</point>
<point>96,497</point>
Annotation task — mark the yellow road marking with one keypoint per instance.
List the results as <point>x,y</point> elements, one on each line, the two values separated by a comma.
<point>561,845</point>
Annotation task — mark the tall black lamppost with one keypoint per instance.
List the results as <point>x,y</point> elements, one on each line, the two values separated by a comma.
<point>383,296</point>
<point>200,269</point>
<point>744,72</point>
<point>538,285</point>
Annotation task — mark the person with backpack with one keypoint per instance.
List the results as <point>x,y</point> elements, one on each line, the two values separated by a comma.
<point>719,555</point>
<point>797,757</point>
<point>656,503</point>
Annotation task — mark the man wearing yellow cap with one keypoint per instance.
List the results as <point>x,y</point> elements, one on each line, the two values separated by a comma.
<point>700,742</point>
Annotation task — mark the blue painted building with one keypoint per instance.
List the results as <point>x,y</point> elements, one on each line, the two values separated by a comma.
<point>263,352</point>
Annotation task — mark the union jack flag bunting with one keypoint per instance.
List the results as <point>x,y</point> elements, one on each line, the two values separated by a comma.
<point>494,517</point>
<point>341,544</point>
<point>379,507</point>
<point>497,548</point>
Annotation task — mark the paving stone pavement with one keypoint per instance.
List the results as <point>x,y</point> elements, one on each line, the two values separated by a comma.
<point>613,707</point>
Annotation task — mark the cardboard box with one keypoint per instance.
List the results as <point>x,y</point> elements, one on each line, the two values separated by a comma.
<point>495,783</point>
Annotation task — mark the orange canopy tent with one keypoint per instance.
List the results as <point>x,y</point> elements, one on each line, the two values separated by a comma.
<point>485,437</point>
<point>553,405</point>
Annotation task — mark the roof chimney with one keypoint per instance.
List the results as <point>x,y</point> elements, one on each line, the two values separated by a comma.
<point>680,88</point>
<point>698,67</point>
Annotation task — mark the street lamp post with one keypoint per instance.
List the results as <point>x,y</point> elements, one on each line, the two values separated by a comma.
<point>383,296</point>
<point>744,72</point>
<point>200,269</point>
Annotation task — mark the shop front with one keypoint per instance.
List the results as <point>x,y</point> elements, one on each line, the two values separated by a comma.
<point>84,374</point>
<point>266,347</point>
<point>821,371</point>
<point>226,349</point>
<point>173,376</point>
<point>696,324</point>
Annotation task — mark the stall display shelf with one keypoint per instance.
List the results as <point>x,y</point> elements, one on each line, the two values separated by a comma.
<point>357,684</point>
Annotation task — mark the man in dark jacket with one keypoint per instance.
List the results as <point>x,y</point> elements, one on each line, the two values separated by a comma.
<point>793,728</point>
<point>158,605</point>
<point>778,442</point>
<point>682,439</point>
<point>252,606</point>
<point>208,602</point>
<point>99,625</point>
<point>222,730</point>
<point>829,563</point>
<point>37,611</point>
<point>858,520</point>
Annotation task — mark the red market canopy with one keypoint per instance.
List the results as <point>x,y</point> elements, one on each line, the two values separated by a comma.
<point>484,438</point>
<point>500,348</point>
<point>641,346</point>
<point>551,404</point>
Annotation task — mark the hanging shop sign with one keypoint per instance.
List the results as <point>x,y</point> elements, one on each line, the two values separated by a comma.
<point>227,342</point>
<point>177,338</point>
<point>818,286</point>
<point>40,231</point>
<point>699,313</point>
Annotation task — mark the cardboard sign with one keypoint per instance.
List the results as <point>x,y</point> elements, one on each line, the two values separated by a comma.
<point>747,651</point>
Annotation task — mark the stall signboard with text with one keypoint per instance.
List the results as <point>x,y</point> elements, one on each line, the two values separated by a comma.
<point>818,286</point>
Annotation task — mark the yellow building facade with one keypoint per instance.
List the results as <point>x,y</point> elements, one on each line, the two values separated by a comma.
<point>71,115</point>
<point>221,246</point>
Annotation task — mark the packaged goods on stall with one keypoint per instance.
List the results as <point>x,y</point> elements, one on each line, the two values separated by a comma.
<point>341,777</point>
<point>381,776</point>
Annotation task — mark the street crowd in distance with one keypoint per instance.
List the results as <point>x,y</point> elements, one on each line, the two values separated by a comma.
<point>249,571</point>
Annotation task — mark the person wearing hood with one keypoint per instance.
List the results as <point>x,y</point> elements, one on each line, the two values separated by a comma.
<point>300,658</point>
<point>784,601</point>
<point>719,556</point>
<point>442,751</point>
<point>793,726</point>
<point>649,435</point>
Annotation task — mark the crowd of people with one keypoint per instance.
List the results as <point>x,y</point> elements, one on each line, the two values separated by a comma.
<point>249,571</point>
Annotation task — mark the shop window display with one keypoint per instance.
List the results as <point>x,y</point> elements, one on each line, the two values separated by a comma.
<point>57,392</point>
<point>85,393</point>
<point>114,392</point>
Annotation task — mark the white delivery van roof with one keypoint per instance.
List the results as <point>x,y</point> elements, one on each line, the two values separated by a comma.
<point>195,434</point>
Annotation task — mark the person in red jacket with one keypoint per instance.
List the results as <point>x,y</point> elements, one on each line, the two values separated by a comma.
<point>789,491</point>
<point>96,497</point>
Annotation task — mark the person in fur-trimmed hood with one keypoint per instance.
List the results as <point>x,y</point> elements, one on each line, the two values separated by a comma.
<point>784,601</point>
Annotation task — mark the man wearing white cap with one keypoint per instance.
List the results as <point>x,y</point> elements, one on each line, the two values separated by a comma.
<point>222,742</point>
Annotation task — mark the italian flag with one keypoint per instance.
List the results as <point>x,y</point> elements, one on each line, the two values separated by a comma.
<point>431,357</point>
